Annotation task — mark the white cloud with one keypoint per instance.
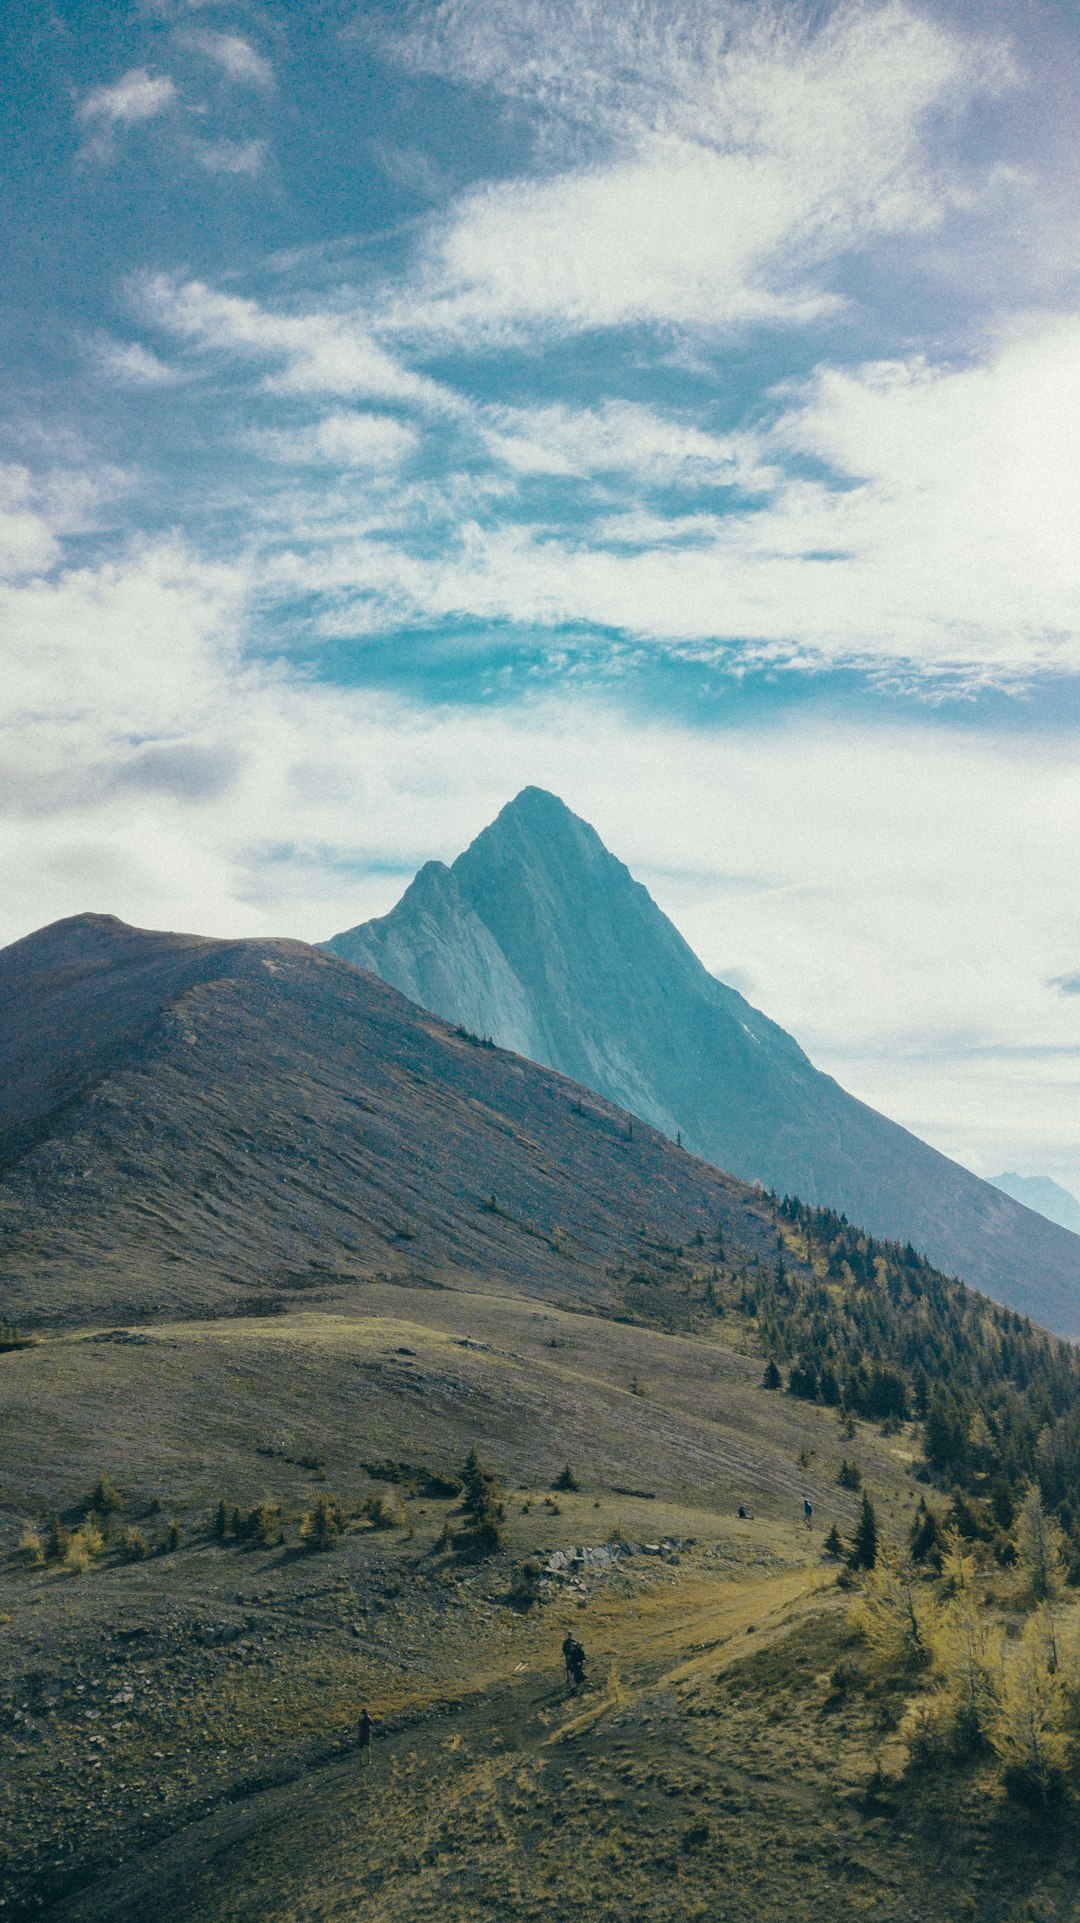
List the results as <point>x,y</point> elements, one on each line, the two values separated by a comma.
<point>136,96</point>
<point>232,156</point>
<point>317,352</point>
<point>620,438</point>
<point>133,363</point>
<point>234,55</point>
<point>343,439</point>
<point>27,541</point>
<point>945,544</point>
<point>741,155</point>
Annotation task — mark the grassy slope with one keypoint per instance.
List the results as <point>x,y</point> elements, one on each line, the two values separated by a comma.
<point>270,1130</point>
<point>281,1123</point>
<point>187,1754</point>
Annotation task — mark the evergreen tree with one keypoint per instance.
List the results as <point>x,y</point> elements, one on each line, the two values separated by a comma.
<point>322,1524</point>
<point>864,1547</point>
<point>1028,1728</point>
<point>772,1378</point>
<point>926,1541</point>
<point>1040,1550</point>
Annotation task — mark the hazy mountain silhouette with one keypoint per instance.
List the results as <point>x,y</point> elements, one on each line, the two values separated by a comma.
<point>540,938</point>
<point>1045,1196</point>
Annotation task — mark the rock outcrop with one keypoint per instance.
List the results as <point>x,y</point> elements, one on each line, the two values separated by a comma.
<point>540,938</point>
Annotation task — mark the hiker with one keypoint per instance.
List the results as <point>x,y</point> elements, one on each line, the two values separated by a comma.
<point>574,1658</point>
<point>808,1512</point>
<point>744,1513</point>
<point>363,1734</point>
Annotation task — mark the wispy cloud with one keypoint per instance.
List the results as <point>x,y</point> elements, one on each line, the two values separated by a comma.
<point>132,363</point>
<point>736,155</point>
<point>233,55</point>
<point>138,96</point>
<point>620,438</point>
<point>343,439</point>
<point>232,156</point>
<point>317,352</point>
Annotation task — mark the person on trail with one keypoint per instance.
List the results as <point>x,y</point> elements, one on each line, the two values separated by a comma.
<point>808,1512</point>
<point>574,1658</point>
<point>363,1735</point>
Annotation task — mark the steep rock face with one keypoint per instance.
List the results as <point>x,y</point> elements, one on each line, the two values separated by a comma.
<point>435,949</point>
<point>592,979</point>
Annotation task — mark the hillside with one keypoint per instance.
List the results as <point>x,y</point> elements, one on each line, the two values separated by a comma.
<point>191,1123</point>
<point>289,1247</point>
<point>540,938</point>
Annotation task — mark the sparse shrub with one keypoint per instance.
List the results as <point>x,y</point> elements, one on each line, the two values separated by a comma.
<point>695,1836</point>
<point>31,1548</point>
<point>566,1480</point>
<point>385,1512</point>
<point>132,1546</point>
<point>439,1488</point>
<point>77,1557</point>
<point>83,1548</point>
<point>849,1476</point>
<point>322,1524</point>
<point>103,1497</point>
<point>222,1526</point>
<point>170,1540</point>
<point>526,1587</point>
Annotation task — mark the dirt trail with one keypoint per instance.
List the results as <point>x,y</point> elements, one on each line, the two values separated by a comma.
<point>267,1856</point>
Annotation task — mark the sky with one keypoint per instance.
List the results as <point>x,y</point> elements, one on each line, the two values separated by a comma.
<point>673,405</point>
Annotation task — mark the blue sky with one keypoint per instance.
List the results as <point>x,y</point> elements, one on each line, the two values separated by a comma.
<point>675,405</point>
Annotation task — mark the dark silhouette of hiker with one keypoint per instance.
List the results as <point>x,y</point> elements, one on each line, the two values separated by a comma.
<point>363,1735</point>
<point>574,1658</point>
<point>744,1514</point>
<point>808,1512</point>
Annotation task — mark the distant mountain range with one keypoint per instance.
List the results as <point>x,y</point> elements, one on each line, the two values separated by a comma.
<point>1046,1197</point>
<point>541,939</point>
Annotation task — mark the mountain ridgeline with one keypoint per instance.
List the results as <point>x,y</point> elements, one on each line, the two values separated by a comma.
<point>541,939</point>
<point>219,1128</point>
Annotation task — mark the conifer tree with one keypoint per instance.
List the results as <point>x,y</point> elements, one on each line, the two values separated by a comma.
<point>323,1523</point>
<point>864,1547</point>
<point>965,1655</point>
<point>895,1612</point>
<point>1028,1729</point>
<point>1040,1550</point>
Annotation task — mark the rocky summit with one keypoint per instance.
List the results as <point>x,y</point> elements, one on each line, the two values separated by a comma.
<point>540,938</point>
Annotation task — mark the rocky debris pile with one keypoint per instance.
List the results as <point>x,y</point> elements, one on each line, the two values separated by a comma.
<point>568,1569</point>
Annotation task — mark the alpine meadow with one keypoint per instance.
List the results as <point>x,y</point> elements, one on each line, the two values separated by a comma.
<point>539,796</point>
